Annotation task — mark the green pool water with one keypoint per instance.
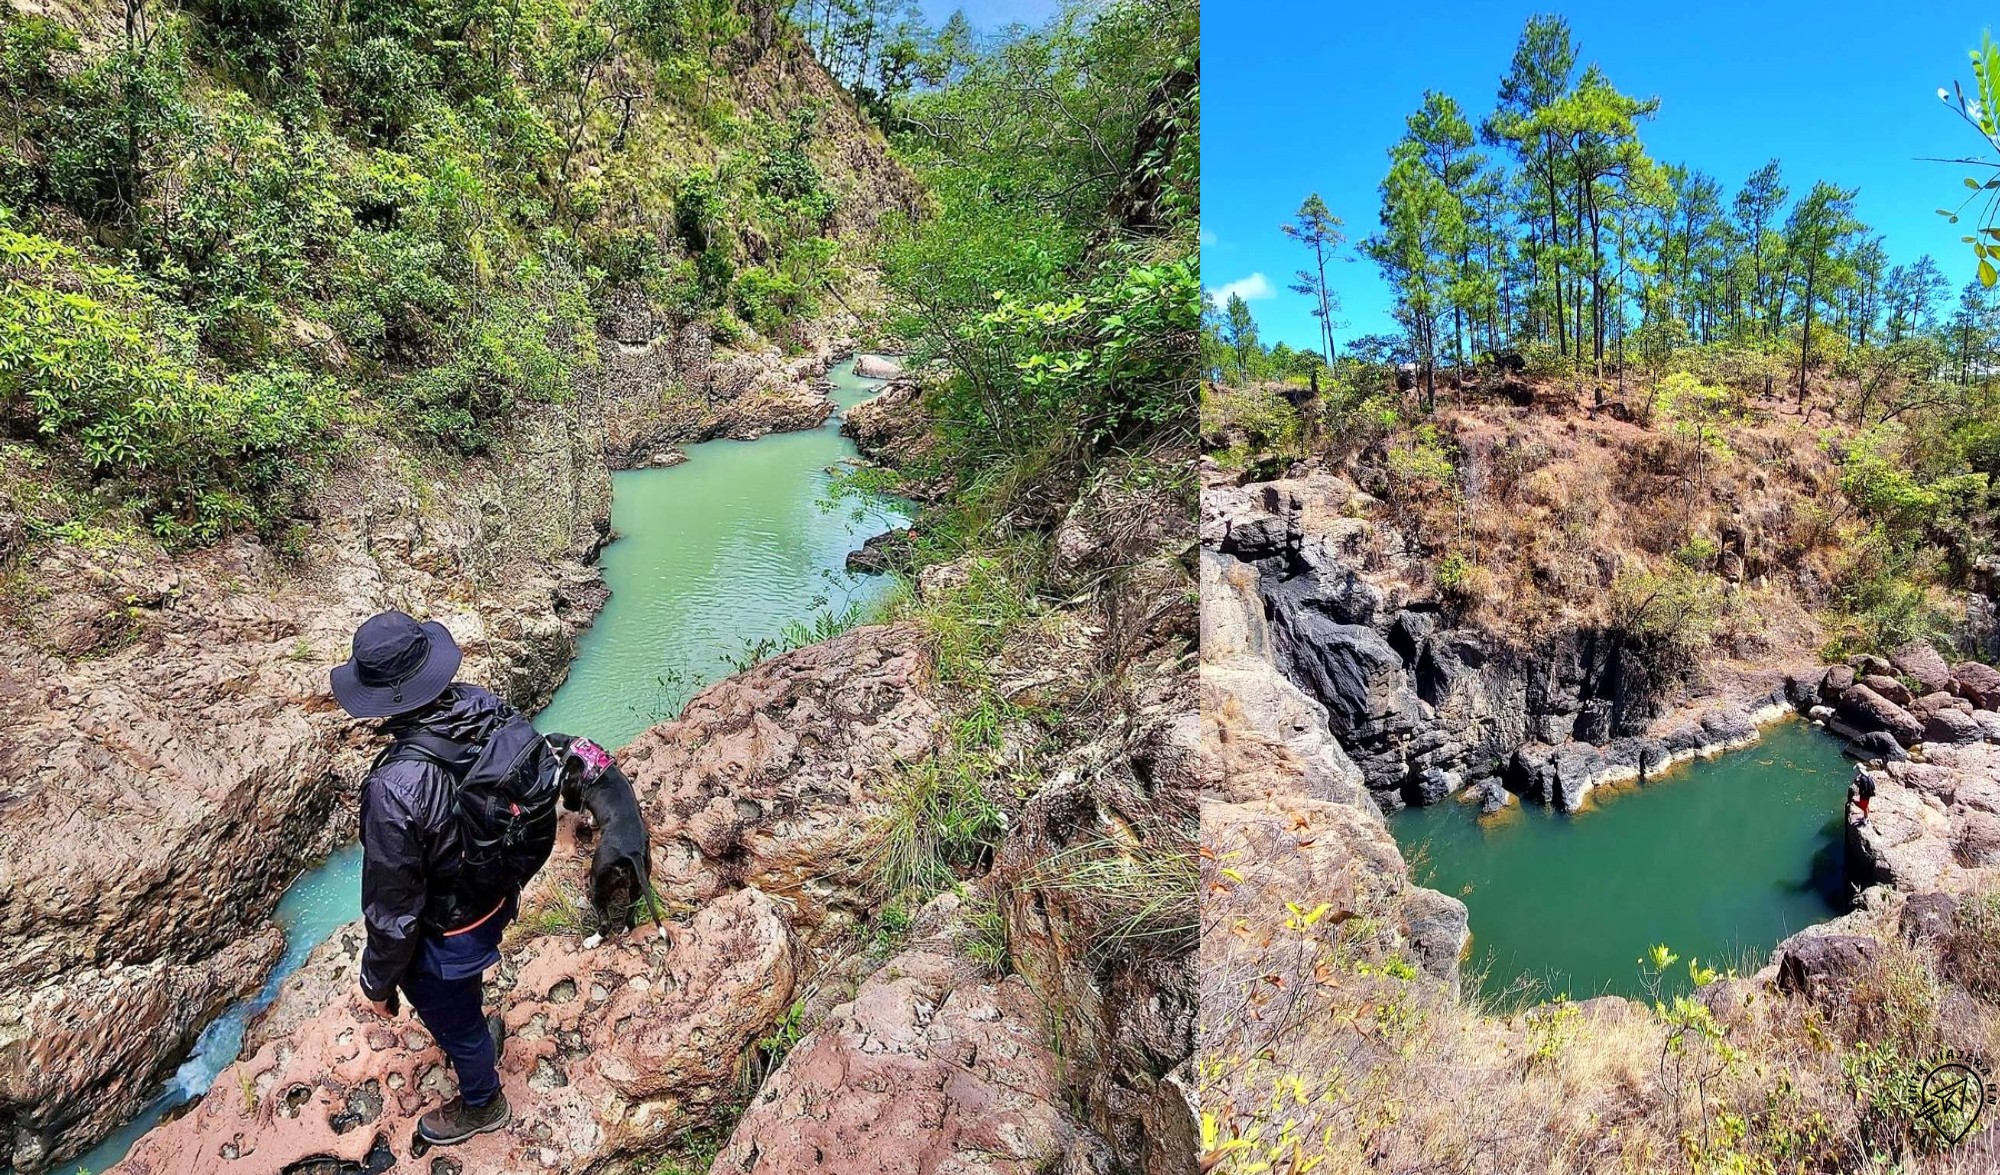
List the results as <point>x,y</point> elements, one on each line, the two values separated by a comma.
<point>714,560</point>
<point>1720,859</point>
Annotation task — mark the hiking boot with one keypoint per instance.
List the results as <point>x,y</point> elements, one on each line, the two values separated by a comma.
<point>497,1029</point>
<point>454,1121</point>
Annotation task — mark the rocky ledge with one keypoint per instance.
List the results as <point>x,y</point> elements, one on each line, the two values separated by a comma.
<point>663,386</point>
<point>174,759</point>
<point>1427,709</point>
<point>763,799</point>
<point>768,799</point>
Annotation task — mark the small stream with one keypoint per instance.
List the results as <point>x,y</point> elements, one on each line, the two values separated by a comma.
<point>1720,859</point>
<point>715,559</point>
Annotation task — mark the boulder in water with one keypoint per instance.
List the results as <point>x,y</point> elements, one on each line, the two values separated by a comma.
<point>872,366</point>
<point>1877,744</point>
<point>1434,784</point>
<point>885,552</point>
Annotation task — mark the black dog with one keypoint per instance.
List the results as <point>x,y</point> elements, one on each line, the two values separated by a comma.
<point>621,868</point>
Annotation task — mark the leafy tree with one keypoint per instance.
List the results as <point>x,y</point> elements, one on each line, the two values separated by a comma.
<point>1239,331</point>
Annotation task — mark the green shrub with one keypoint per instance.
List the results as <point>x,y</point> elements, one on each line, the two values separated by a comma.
<point>101,368</point>
<point>766,299</point>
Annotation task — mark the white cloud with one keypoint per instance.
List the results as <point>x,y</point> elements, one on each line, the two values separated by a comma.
<point>1254,288</point>
<point>1208,236</point>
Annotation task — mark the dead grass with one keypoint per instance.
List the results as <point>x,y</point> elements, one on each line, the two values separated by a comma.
<point>1390,1076</point>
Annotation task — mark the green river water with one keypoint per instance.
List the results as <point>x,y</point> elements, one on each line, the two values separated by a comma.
<point>714,561</point>
<point>1720,859</point>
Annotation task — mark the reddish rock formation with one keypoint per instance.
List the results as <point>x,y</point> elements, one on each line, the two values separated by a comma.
<point>761,800</point>
<point>931,1069</point>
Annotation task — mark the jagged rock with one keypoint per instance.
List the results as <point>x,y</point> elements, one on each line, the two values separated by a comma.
<point>763,800</point>
<point>1803,694</point>
<point>882,553</point>
<point>1952,726</point>
<point>931,1069</point>
<point>1492,796</point>
<point>1977,683</point>
<point>182,775</point>
<point>1837,681</point>
<point>1877,744</point>
<point>1863,710</point>
<point>1922,662</point>
<point>1927,917</point>
<point>1434,784</point>
<point>646,1059</point>
<point>1556,775</point>
<point>1637,757</point>
<point>1889,688</point>
<point>1437,930</point>
<point>770,778</point>
<point>1824,966</point>
<point>1354,673</point>
<point>891,427</point>
<point>1307,852</point>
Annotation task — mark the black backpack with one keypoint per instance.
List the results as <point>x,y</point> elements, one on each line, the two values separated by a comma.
<point>505,803</point>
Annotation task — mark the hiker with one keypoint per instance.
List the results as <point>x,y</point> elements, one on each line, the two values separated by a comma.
<point>1864,791</point>
<point>456,815</point>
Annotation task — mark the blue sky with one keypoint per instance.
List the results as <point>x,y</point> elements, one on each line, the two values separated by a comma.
<point>989,15</point>
<point>1300,97</point>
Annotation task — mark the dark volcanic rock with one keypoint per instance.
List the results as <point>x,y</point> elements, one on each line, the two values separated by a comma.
<point>1556,775</point>
<point>1838,680</point>
<point>885,552</point>
<point>1824,966</point>
<point>1921,662</point>
<point>1889,688</point>
<point>1864,711</point>
<point>1952,726</point>
<point>1927,917</point>
<point>1877,744</point>
<point>1977,683</point>
<point>1434,784</point>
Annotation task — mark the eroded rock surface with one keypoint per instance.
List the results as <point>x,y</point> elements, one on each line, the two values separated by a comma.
<point>175,756</point>
<point>932,1068</point>
<point>761,800</point>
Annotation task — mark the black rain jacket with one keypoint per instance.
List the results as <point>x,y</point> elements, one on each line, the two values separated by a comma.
<point>410,839</point>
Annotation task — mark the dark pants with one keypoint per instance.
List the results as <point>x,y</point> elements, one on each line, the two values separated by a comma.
<point>452,1010</point>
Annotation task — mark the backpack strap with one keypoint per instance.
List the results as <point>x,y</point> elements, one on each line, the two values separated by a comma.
<point>422,747</point>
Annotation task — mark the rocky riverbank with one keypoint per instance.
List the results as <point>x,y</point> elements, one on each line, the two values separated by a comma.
<point>175,759</point>
<point>858,1047</point>
<point>1428,708</point>
<point>1332,691</point>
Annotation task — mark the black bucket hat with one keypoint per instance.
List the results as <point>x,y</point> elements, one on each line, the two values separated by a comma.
<point>398,666</point>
